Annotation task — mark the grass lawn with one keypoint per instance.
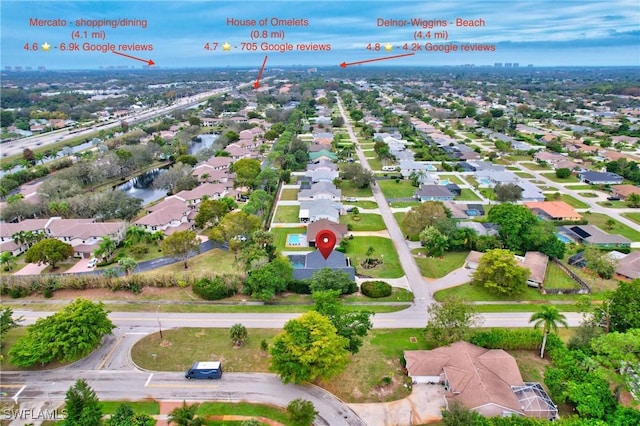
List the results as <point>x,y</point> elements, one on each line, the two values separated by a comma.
<point>433,267</point>
<point>488,193</point>
<point>402,204</point>
<point>397,295</point>
<point>289,194</point>
<point>525,307</point>
<point>552,177</point>
<point>588,194</point>
<point>366,222</point>
<point>452,179</point>
<point>632,216</point>
<point>600,220</point>
<point>374,163</point>
<point>214,261</point>
<point>471,180</point>
<point>362,204</point>
<point>349,191</point>
<point>524,175</point>
<point>573,202</point>
<point>280,237</point>
<point>391,189</point>
<point>287,214</point>
<point>467,195</point>
<point>613,204</point>
<point>146,407</point>
<point>399,216</point>
<point>535,166</point>
<point>384,251</point>
<point>479,293</point>
<point>279,415</point>
<point>557,278</point>
<point>576,187</point>
<point>153,251</point>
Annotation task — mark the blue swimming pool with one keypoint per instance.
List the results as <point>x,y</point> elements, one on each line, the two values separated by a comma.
<point>564,238</point>
<point>473,212</point>
<point>297,240</point>
<point>484,181</point>
<point>444,182</point>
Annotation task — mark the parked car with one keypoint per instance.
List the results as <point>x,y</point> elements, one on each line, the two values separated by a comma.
<point>92,263</point>
<point>351,199</point>
<point>613,198</point>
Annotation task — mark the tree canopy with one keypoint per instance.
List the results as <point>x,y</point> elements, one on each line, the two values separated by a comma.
<point>65,336</point>
<point>499,272</point>
<point>181,244</point>
<point>426,214</point>
<point>309,348</point>
<point>82,405</point>
<point>450,321</point>
<point>50,251</point>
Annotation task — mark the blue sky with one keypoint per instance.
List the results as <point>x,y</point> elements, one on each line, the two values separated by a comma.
<point>538,32</point>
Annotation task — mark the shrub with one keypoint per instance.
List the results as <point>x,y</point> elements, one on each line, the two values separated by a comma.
<point>299,287</point>
<point>520,339</point>
<point>215,288</point>
<point>139,250</point>
<point>376,289</point>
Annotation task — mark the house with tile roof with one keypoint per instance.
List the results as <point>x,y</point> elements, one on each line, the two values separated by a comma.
<point>553,210</point>
<point>629,267</point>
<point>487,381</point>
<point>313,228</point>
<point>305,264</point>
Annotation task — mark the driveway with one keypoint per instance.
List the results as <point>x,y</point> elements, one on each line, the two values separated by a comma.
<point>31,269</point>
<point>81,266</point>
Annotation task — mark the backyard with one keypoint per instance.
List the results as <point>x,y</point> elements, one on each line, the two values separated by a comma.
<point>383,250</point>
<point>363,222</point>
<point>287,214</point>
<point>435,267</point>
<point>401,189</point>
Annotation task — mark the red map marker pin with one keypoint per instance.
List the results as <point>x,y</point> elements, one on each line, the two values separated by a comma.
<point>325,241</point>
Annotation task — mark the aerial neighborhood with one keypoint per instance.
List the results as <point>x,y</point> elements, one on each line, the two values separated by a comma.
<point>483,258</point>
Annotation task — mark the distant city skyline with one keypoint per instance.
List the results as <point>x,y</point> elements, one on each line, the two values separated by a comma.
<point>542,33</point>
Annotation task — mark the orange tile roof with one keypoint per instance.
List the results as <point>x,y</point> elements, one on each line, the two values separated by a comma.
<point>555,209</point>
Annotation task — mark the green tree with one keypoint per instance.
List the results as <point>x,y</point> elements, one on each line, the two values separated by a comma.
<point>450,321</point>
<point>548,318</point>
<point>331,279</point>
<point>247,171</point>
<point>106,247</point>
<point>633,200</point>
<point>82,405</point>
<point>65,336</point>
<point>498,271</point>
<point>270,279</point>
<point>308,349</point>
<point>426,214</point>
<point>514,222</point>
<point>352,325</point>
<point>434,241</point>
<point>181,244</point>
<point>125,416</point>
<point>508,192</point>
<point>186,415</point>
<point>238,334</point>
<point>356,115</point>
<point>625,306</point>
<point>49,251</point>
<point>127,264</point>
<point>563,173</point>
<point>458,415</point>
<point>235,224</point>
<point>210,213</point>
<point>600,262</point>
<point>7,260</point>
<point>301,412</point>
<point>7,322</point>
<point>618,355</point>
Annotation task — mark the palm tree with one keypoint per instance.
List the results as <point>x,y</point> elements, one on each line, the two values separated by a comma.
<point>127,264</point>
<point>105,248</point>
<point>238,334</point>
<point>135,234</point>
<point>7,261</point>
<point>185,415</point>
<point>548,317</point>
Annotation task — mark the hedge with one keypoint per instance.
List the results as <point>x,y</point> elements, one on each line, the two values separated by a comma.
<point>216,288</point>
<point>376,289</point>
<point>520,339</point>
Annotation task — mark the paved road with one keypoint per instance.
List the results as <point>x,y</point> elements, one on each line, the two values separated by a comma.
<point>422,293</point>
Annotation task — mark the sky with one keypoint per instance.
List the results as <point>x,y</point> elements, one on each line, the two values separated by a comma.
<point>537,32</point>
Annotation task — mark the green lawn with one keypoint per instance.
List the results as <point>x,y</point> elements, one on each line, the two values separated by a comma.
<point>362,204</point>
<point>613,204</point>
<point>577,187</point>
<point>366,222</point>
<point>535,166</point>
<point>287,214</point>
<point>349,191</point>
<point>374,163</point>
<point>401,204</point>
<point>479,293</point>
<point>208,263</point>
<point>632,216</point>
<point>220,409</point>
<point>289,194</point>
<point>471,180</point>
<point>557,278</point>
<point>384,251</point>
<point>488,193</point>
<point>573,202</point>
<point>588,194</point>
<point>280,237</point>
<point>391,189</point>
<point>552,177</point>
<point>467,195</point>
<point>600,220</point>
<point>434,267</point>
<point>524,175</point>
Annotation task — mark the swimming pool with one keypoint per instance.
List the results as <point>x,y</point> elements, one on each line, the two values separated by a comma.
<point>563,238</point>
<point>297,240</point>
<point>473,212</point>
<point>484,181</point>
<point>444,182</point>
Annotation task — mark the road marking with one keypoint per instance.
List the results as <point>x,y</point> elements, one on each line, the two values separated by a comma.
<point>159,385</point>
<point>10,386</point>
<point>15,397</point>
<point>148,380</point>
<point>104,361</point>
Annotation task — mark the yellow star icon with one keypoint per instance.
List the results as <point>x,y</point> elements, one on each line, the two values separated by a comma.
<point>46,46</point>
<point>226,47</point>
<point>388,47</point>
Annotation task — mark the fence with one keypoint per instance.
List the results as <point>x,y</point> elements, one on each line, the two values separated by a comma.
<point>584,287</point>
